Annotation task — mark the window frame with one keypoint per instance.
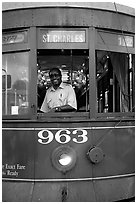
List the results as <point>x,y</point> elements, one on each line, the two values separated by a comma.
<point>70,46</point>
<point>30,47</point>
<point>119,49</point>
<point>73,56</point>
<point>92,45</point>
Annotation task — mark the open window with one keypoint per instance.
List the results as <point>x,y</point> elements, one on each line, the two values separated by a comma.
<point>115,82</point>
<point>74,65</point>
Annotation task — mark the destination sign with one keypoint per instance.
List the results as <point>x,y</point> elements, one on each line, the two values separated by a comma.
<point>125,40</point>
<point>20,37</point>
<point>62,36</point>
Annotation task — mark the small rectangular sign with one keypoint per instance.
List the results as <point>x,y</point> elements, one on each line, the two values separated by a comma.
<point>125,40</point>
<point>63,36</point>
<point>114,40</point>
<point>14,110</point>
<point>20,37</point>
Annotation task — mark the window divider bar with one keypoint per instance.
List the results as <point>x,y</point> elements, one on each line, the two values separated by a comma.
<point>92,73</point>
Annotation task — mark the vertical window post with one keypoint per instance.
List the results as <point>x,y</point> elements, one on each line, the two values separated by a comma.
<point>33,71</point>
<point>92,74</point>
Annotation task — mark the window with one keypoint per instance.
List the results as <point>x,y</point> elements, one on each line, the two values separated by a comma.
<point>115,82</point>
<point>15,82</point>
<point>74,67</point>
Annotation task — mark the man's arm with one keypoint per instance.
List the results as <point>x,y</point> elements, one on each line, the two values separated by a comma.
<point>65,108</point>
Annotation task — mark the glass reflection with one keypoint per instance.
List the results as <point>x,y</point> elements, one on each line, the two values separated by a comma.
<point>15,82</point>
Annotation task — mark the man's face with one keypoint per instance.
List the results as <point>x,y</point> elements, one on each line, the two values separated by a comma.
<point>55,78</point>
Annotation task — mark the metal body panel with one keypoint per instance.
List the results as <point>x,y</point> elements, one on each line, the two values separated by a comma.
<point>115,21</point>
<point>67,17</point>
<point>22,148</point>
<point>20,192</point>
<point>96,191</point>
<point>21,144</point>
<point>114,189</point>
<point>17,152</point>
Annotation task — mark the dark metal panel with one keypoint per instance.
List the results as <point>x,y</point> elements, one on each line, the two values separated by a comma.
<point>17,191</point>
<point>18,154</point>
<point>47,192</point>
<point>78,191</point>
<point>46,17</point>
<point>123,22</point>
<point>112,41</point>
<point>114,189</point>
<point>86,191</point>
<point>111,20</point>
<point>16,47</point>
<point>115,49</point>
<point>117,144</point>
<point>62,17</point>
<point>80,17</point>
<point>15,19</point>
<point>82,191</point>
<point>119,149</point>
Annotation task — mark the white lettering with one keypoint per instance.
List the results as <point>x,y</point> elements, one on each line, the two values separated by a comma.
<point>44,38</point>
<point>45,139</point>
<point>12,173</point>
<point>20,167</point>
<point>81,38</point>
<point>55,38</point>
<point>12,169</point>
<point>62,136</point>
<point>65,137</point>
<point>64,37</point>
<point>48,38</point>
<point>77,38</point>
<point>10,166</point>
<point>83,136</point>
<point>68,38</point>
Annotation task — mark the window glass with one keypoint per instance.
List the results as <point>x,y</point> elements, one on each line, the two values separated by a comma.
<point>74,67</point>
<point>115,82</point>
<point>15,82</point>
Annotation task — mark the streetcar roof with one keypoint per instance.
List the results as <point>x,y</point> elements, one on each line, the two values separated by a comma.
<point>109,6</point>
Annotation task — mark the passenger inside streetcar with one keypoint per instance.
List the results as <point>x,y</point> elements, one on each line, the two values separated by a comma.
<point>72,67</point>
<point>60,96</point>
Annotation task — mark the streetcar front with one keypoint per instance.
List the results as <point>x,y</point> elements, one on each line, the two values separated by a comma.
<point>86,154</point>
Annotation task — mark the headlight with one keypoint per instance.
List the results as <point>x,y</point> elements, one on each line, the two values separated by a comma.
<point>63,158</point>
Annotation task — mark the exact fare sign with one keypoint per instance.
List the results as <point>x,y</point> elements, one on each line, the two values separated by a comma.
<point>63,36</point>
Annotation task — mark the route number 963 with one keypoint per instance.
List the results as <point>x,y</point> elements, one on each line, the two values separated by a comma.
<point>62,136</point>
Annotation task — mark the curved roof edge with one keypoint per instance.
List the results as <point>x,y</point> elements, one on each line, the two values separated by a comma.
<point>109,6</point>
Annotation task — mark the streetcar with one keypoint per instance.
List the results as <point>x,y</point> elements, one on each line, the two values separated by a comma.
<point>87,155</point>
